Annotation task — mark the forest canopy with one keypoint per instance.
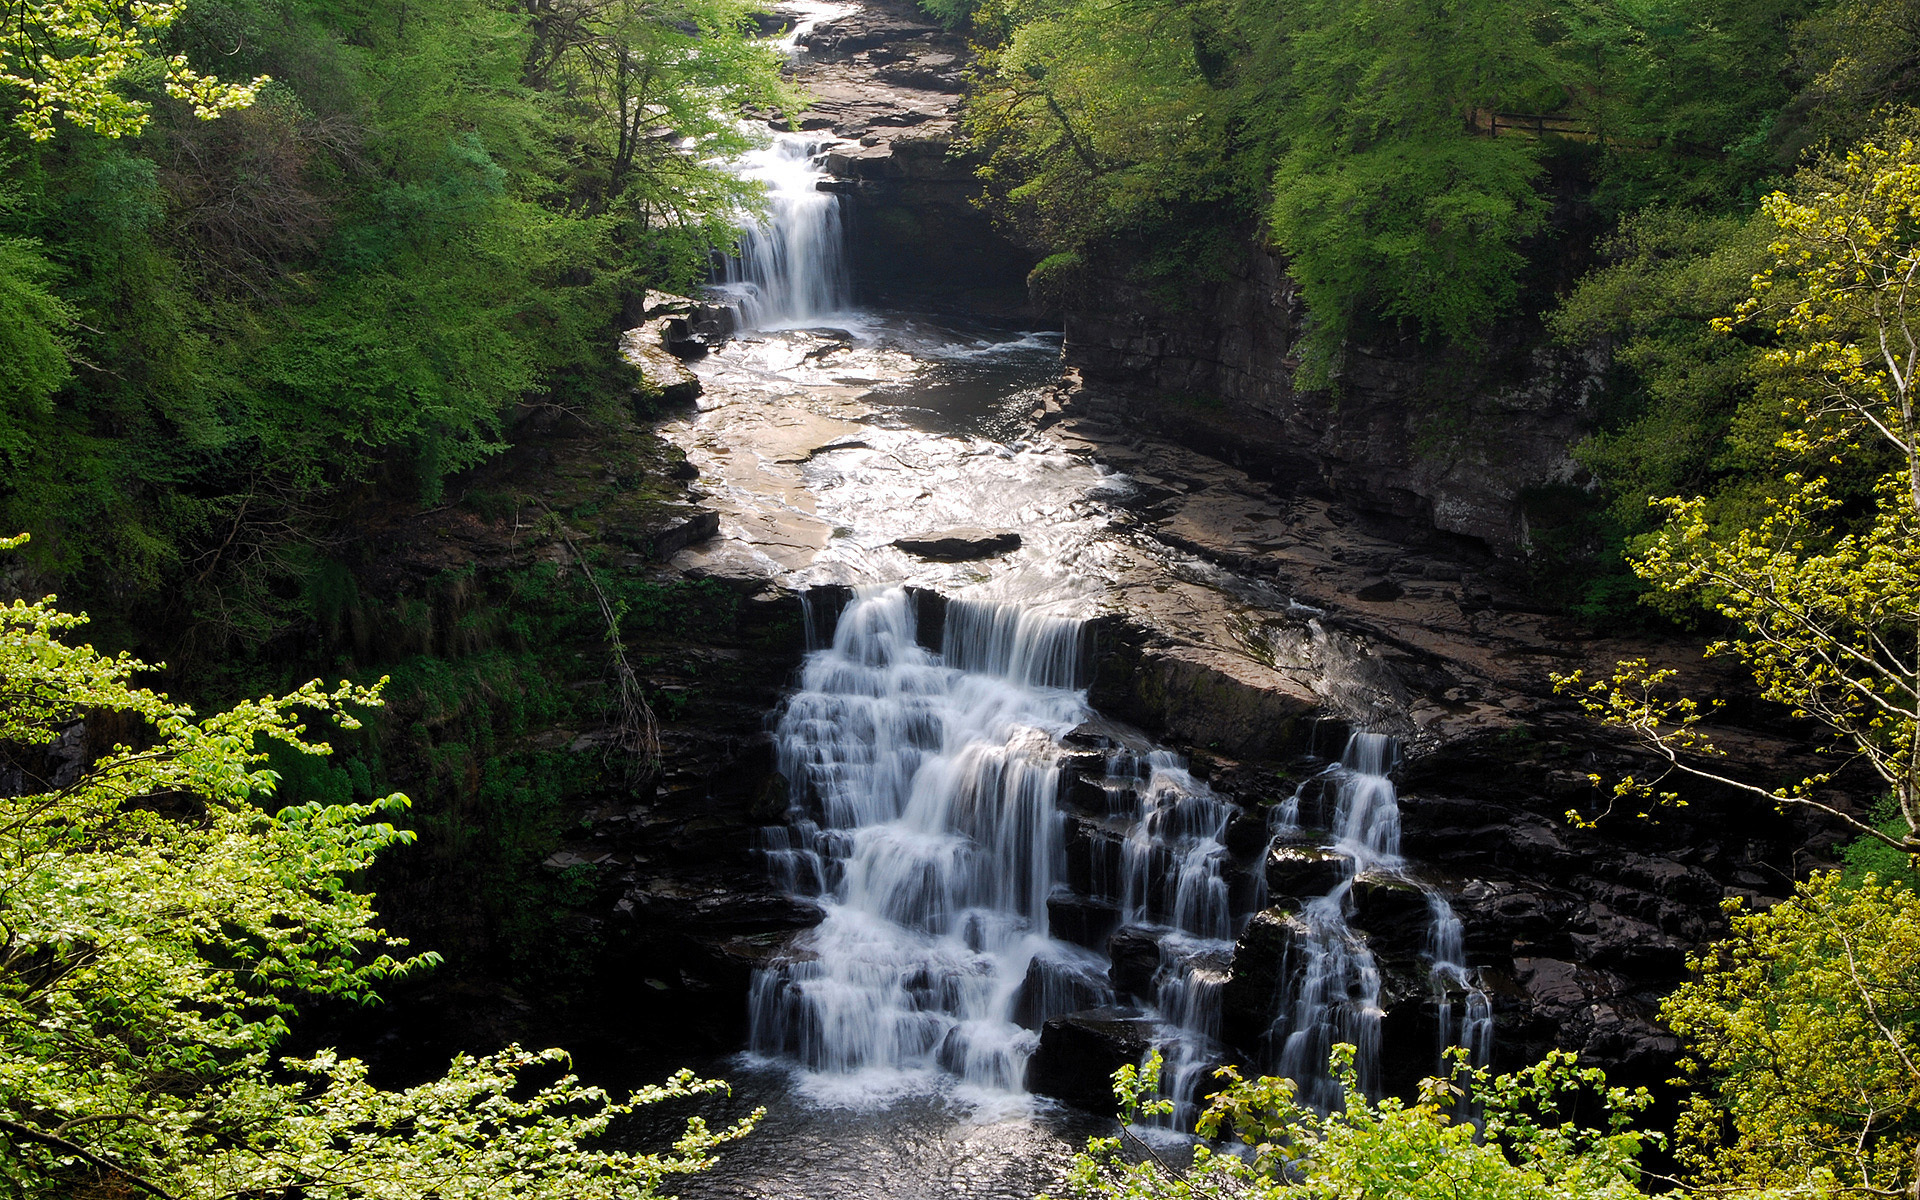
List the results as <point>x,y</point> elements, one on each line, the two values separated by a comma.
<point>410,220</point>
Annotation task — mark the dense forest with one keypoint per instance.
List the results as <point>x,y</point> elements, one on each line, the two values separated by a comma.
<point>275,273</point>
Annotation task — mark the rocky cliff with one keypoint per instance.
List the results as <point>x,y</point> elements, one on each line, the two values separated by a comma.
<point>1439,440</point>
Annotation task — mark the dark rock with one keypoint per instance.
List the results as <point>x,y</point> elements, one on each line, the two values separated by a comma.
<point>1394,913</point>
<point>1081,921</point>
<point>1376,593</point>
<point>1057,986</point>
<point>1301,873</point>
<point>696,526</point>
<point>960,545</point>
<point>1079,1053</point>
<point>1250,998</point>
<point>1135,954</point>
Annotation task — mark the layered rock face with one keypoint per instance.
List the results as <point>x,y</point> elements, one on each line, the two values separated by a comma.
<point>887,83</point>
<point>1409,433</point>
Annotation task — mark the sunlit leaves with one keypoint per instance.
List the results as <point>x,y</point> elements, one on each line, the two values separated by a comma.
<point>1802,1032</point>
<point>161,925</point>
<point>1824,602</point>
<point>1530,1143</point>
<point>75,58</point>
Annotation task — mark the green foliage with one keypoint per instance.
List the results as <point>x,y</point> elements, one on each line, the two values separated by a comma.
<point>1823,599</point>
<point>1866,856</point>
<point>1362,136</point>
<point>217,334</point>
<point>1528,1144</point>
<point>33,352</point>
<point>75,58</point>
<point>1801,1032</point>
<point>163,926</point>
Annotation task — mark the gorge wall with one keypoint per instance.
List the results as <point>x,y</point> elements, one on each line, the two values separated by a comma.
<point>1433,439</point>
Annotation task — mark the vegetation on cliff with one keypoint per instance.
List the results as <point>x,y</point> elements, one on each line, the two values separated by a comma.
<point>166,918</point>
<point>219,334</point>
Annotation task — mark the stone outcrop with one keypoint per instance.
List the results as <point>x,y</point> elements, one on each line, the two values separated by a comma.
<point>960,545</point>
<point>885,85</point>
<point>1434,439</point>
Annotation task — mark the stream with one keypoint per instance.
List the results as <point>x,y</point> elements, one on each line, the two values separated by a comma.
<point>966,899</point>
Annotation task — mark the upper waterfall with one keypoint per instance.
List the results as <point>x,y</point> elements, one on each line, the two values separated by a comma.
<point>792,268</point>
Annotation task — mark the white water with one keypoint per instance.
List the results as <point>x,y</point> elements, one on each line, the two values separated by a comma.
<point>923,800</point>
<point>792,268</point>
<point>1332,989</point>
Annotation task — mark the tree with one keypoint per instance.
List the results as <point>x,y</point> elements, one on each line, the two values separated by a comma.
<point>1823,595</point>
<point>161,926</point>
<point>73,58</point>
<point>1804,1046</point>
<point>1526,1145</point>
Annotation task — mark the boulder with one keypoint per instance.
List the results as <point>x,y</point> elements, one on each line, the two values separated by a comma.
<point>1079,1053</point>
<point>1056,986</point>
<point>663,374</point>
<point>1301,873</point>
<point>691,527</point>
<point>1136,960</point>
<point>960,545</point>
<point>1081,921</point>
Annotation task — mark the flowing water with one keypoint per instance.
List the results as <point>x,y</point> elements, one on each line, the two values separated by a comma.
<point>927,767</point>
<point>923,800</point>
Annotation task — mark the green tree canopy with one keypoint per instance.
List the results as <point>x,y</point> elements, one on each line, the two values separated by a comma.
<point>1823,598</point>
<point>1801,1031</point>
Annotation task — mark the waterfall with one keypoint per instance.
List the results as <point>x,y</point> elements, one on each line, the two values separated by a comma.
<point>792,267</point>
<point>923,791</point>
<point>1332,981</point>
<point>926,818</point>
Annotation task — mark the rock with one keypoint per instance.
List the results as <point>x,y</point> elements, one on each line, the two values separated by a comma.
<point>1079,1053</point>
<point>1135,954</point>
<point>1249,1000</point>
<point>1301,873</point>
<point>663,374</point>
<point>960,545</point>
<point>1081,921</point>
<point>1056,986</point>
<point>1394,914</point>
<point>696,526</point>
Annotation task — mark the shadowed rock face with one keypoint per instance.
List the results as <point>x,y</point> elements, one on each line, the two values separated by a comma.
<point>887,85</point>
<point>1431,438</point>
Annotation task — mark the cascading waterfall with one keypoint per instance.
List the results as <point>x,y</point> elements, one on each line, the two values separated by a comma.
<point>923,808</point>
<point>925,815</point>
<point>1332,992</point>
<point>792,269</point>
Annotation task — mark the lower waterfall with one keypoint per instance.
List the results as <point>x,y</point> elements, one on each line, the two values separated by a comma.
<point>927,817</point>
<point>1332,983</point>
<point>923,809</point>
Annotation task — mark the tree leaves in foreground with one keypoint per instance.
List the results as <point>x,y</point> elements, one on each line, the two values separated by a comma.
<point>1801,1029</point>
<point>160,927</point>
<point>1527,1145</point>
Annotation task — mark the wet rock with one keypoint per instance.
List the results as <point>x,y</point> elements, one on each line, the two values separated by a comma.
<point>1079,1053</point>
<point>1300,873</point>
<point>1135,954</point>
<point>1209,698</point>
<point>1055,987</point>
<point>1249,998</point>
<point>1394,914</point>
<point>1081,921</point>
<point>960,545</point>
